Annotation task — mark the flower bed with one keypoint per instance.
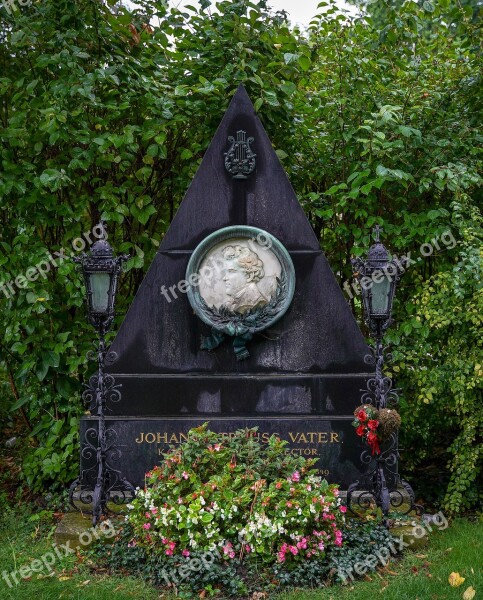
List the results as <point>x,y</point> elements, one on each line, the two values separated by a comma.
<point>231,515</point>
<point>237,496</point>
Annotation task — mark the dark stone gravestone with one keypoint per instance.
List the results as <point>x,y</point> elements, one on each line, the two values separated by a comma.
<point>293,366</point>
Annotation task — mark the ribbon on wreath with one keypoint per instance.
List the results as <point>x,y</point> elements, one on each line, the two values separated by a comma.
<point>239,342</point>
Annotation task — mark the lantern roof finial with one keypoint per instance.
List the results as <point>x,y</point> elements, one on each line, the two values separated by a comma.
<point>378,254</point>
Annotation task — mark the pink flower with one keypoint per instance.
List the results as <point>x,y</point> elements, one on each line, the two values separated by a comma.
<point>293,550</point>
<point>217,447</point>
<point>343,509</point>
<point>232,555</point>
<point>185,553</point>
<point>247,548</point>
<point>169,552</point>
<point>281,557</point>
<point>309,488</point>
<point>185,475</point>
<point>154,510</point>
<point>180,500</point>
<point>172,545</point>
<point>228,548</point>
<point>289,504</point>
<point>147,525</point>
<point>148,515</point>
<point>278,485</point>
<point>164,540</point>
<point>295,476</point>
<point>321,546</point>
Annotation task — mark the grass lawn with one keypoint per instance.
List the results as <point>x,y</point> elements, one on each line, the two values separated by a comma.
<point>420,575</point>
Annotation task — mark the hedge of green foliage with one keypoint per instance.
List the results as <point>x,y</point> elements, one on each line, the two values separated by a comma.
<point>107,111</point>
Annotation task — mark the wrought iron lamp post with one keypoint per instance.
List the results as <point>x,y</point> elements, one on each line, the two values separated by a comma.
<point>378,276</point>
<point>101,270</point>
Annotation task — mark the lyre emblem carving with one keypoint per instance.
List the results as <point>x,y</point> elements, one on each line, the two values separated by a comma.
<point>240,160</point>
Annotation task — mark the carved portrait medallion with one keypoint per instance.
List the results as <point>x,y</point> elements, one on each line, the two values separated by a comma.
<point>241,279</point>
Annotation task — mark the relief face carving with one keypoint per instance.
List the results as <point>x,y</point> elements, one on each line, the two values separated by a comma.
<point>240,276</point>
<point>242,281</point>
<point>243,270</point>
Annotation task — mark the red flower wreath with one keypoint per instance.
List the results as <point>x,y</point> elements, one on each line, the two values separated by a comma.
<point>367,424</point>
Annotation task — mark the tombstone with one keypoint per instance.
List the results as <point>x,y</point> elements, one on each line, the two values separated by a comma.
<point>239,321</point>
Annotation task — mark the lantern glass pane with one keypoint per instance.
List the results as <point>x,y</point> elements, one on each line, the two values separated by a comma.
<point>380,296</point>
<point>100,283</point>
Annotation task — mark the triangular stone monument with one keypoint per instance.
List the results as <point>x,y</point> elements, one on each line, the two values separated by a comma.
<point>303,376</point>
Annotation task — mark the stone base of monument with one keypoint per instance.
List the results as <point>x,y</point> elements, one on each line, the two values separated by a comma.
<point>76,530</point>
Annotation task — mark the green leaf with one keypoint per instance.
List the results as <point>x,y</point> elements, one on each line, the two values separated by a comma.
<point>51,358</point>
<point>41,371</point>
<point>289,57</point>
<point>206,518</point>
<point>304,63</point>
<point>19,403</point>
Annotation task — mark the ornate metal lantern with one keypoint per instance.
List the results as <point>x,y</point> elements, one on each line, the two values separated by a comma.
<point>377,276</point>
<point>101,481</point>
<point>101,271</point>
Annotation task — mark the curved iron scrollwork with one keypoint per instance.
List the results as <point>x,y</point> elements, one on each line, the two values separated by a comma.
<point>100,482</point>
<point>381,484</point>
